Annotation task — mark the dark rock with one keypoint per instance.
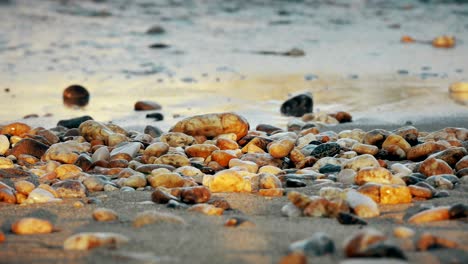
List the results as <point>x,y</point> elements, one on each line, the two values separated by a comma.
<point>383,250</point>
<point>376,137</point>
<point>458,211</point>
<point>12,175</point>
<point>462,172</point>
<point>350,219</point>
<point>409,133</point>
<point>269,129</point>
<point>73,132</point>
<point>451,155</point>
<point>74,122</point>
<point>155,30</point>
<point>153,131</point>
<point>298,105</point>
<point>292,183</point>
<point>441,194</point>
<point>161,197</point>
<point>220,203</point>
<point>410,180</point>
<point>30,147</point>
<point>326,150</point>
<point>319,244</point>
<point>75,95</point>
<point>155,116</point>
<point>84,161</point>
<point>197,194</point>
<point>147,105</point>
<point>428,241</point>
<point>159,46</point>
<point>173,204</point>
<point>330,168</point>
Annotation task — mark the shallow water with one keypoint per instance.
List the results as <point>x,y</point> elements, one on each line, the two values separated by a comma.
<point>354,60</point>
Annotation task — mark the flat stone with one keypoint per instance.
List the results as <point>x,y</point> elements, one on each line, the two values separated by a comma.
<point>429,241</point>
<point>66,152</point>
<point>74,122</point>
<point>437,214</point>
<point>87,240</point>
<point>32,226</point>
<point>30,147</point>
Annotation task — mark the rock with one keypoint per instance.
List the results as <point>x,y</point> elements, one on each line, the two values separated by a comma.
<point>67,171</point>
<point>238,222</point>
<point>250,166</point>
<point>96,183</point>
<point>375,175</point>
<point>227,181</point>
<point>432,166</point>
<point>403,232</point>
<point>153,131</point>
<point>436,214</point>
<point>105,215</point>
<point>396,140</point>
<point>87,240</point>
<point>175,160</point>
<point>156,149</point>
<point>200,150</point>
<point>207,209</point>
<point>30,147</point>
<point>394,194</point>
<point>383,250</point>
<point>350,219</point>
<point>401,169</point>
<point>161,196</point>
<point>421,151</point>
<point>290,210</point>
<point>357,244</point>
<point>458,211</point>
<point>462,164</point>
<point>294,258</point>
<point>281,148</point>
<point>451,156</point>
<point>84,161</point>
<point>70,189</point>
<point>66,152</point>
<point>298,105</point>
<point>365,149</point>
<point>15,129</point>
<point>269,181</point>
<point>330,168</point>
<point>319,244</point>
<point>441,194</point>
<point>371,190</point>
<point>163,178</point>
<point>375,137</point>
<point>429,241</point>
<point>347,176</point>
<point>440,182</point>
<point>326,150</point>
<point>75,95</point>
<point>7,195</point>
<point>6,163</point>
<point>362,161</point>
<point>2,237</point>
<point>420,192</point>
<point>74,122</point>
<point>462,174</point>
<point>177,139</point>
<point>292,183</point>
<point>155,30</point>
<point>220,203</point>
<point>173,204</point>
<point>362,205</point>
<point>147,105</point>
<point>24,187</point>
<point>101,153</point>
<point>212,125</point>
<point>226,143</point>
<point>32,226</point>
<point>155,217</point>
<point>275,192</point>
<point>40,195</point>
<point>193,195</point>
<point>4,144</point>
<point>93,130</point>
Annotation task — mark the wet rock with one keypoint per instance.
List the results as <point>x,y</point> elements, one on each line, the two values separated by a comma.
<point>269,129</point>
<point>298,105</point>
<point>394,194</point>
<point>147,105</point>
<point>432,166</point>
<point>238,222</point>
<point>375,175</point>
<point>164,178</point>
<point>357,244</point>
<point>281,148</point>
<point>86,240</point>
<point>196,194</point>
<point>207,209</point>
<point>262,159</point>
<point>75,95</point>
<point>135,181</point>
<point>451,156</point>
<point>462,164</point>
<point>326,150</point>
<point>292,183</point>
<point>403,232</point>
<point>105,215</point>
<point>93,130</point>
<point>365,149</point>
<point>156,149</point>
<point>458,211</point>
<point>74,122</point>
<point>350,219</point>
<point>375,137</point>
<point>319,244</point>
<point>223,157</point>
<point>436,214</point>
<point>429,241</point>
<point>421,151</point>
<point>32,226</point>
<point>212,125</point>
<point>162,196</point>
<point>4,144</point>
<point>226,143</point>
<point>290,210</point>
<point>200,150</point>
<point>362,205</point>
<point>409,133</point>
<point>462,173</point>
<point>15,129</point>
<point>101,153</point>
<point>155,217</point>
<point>66,152</point>
<point>70,189</point>
<point>269,181</point>
<point>362,161</point>
<point>420,192</point>
<point>30,147</point>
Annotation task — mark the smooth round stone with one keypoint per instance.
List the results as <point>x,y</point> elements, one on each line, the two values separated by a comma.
<point>6,163</point>
<point>96,183</point>
<point>68,171</point>
<point>127,189</point>
<point>432,215</point>
<point>84,161</point>
<point>156,149</point>
<point>329,168</point>
<point>376,175</point>
<point>153,131</point>
<point>32,226</point>
<point>15,129</point>
<point>365,149</point>
<point>165,179</point>
<point>129,148</point>
<point>30,147</point>
<point>238,222</point>
<point>75,95</point>
<point>4,144</point>
<point>24,187</point>
<point>70,189</point>
<point>298,105</point>
<point>101,153</point>
<point>347,176</point>
<point>396,140</point>
<point>432,166</point>
<point>200,150</point>
<point>269,181</point>
<point>345,218</point>
<point>441,194</point>
<point>147,105</point>
<point>359,242</point>
<point>250,166</point>
<point>206,209</point>
<point>451,156</point>
<point>292,183</point>
<point>439,182</point>
<point>401,169</point>
<point>326,150</point>
<point>281,148</point>
<point>403,232</point>
<point>195,194</point>
<point>135,181</point>
<point>362,161</point>
<point>290,210</point>
<point>66,152</point>
<point>40,195</point>
<point>421,151</point>
<point>462,164</point>
<point>87,240</point>
<point>105,215</point>
<point>319,244</point>
<point>420,192</point>
<point>269,169</point>
<point>174,160</point>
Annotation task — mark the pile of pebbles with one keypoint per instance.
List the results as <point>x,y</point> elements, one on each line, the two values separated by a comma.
<point>357,171</point>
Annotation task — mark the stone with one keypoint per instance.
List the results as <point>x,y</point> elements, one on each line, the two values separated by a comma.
<point>177,139</point>
<point>400,169</point>
<point>375,137</point>
<point>195,194</point>
<point>394,194</point>
<point>220,203</point>
<point>362,205</point>
<point>4,144</point>
<point>462,164</point>
<point>365,149</point>
<point>429,241</point>
<point>451,156</point>
<point>458,211</point>
<point>40,195</point>
<point>173,204</point>
<point>200,150</point>
<point>421,151</point>
<point>68,171</point>
<point>403,232</point>
<point>359,242</point>
<point>250,166</point>
<point>238,222</point>
<point>436,214</point>
<point>155,217</point>
<point>396,140</point>
<point>32,226</point>
<point>326,150</point>
<point>30,147</point>
<point>432,166</point>
<point>174,160</point>
<point>70,189</point>
<point>223,157</point>
<point>88,240</point>
<point>383,250</point>
<point>162,196</point>
<point>153,131</point>
<point>226,143</point>
<point>93,130</point>
<point>375,175</point>
<point>275,192</point>
<point>290,210</point>
<point>207,209</point>
<point>165,179</point>
<point>15,129</point>
<point>420,192</point>
<point>7,194</point>
<point>155,30</point>
<point>345,218</point>
<point>96,183</point>
<point>75,95</point>
<point>227,181</point>
<point>462,173</point>
<point>6,163</point>
<point>24,187</point>
<point>147,105</point>
<point>101,153</point>
<point>84,161</point>
<point>292,183</point>
<point>135,181</point>
<point>319,244</point>
<point>105,215</point>
<point>441,194</point>
<point>362,161</point>
<point>347,176</point>
<point>294,258</point>
<point>74,122</point>
<point>129,148</point>
<point>156,149</point>
<point>262,159</point>
<point>281,148</point>
<point>212,125</point>
<point>298,105</point>
<point>371,190</point>
<point>269,181</point>
<point>66,152</point>
<point>2,237</point>
<point>438,181</point>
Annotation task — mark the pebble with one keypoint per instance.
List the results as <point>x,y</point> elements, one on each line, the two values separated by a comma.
<point>68,171</point>
<point>275,192</point>
<point>421,151</point>
<point>200,150</point>
<point>101,153</point>
<point>250,166</point>
<point>147,105</point>
<point>319,244</point>
<point>326,150</point>
<point>383,250</point>
<point>154,217</point>
<point>440,182</point>
<point>432,166</point>
<point>193,195</point>
<point>155,30</point>
<point>375,137</point>
<point>75,95</point>
<point>32,226</point>
<point>30,147</point>
<point>451,155</point>
<point>66,152</point>
<point>429,241</point>
<point>173,204</point>
<point>162,196</point>
<point>93,130</point>
<point>347,176</point>
<point>227,181</point>
<point>431,215</point>
<point>358,243</point>
<point>40,195</point>
<point>88,240</point>
<point>4,144</point>
<point>207,209</point>
<point>238,222</point>
<point>462,164</point>
<point>6,163</point>
<point>164,178</point>
<point>350,219</point>
<point>290,210</point>
<point>365,149</point>
<point>420,192</point>
<point>74,122</point>
<point>174,160</point>
<point>15,129</point>
<point>212,125</point>
<point>84,161</point>
<point>281,148</point>
<point>105,215</point>
<point>269,181</point>
<point>70,189</point>
<point>362,205</point>
<point>292,183</point>
<point>97,183</point>
<point>458,211</point>
<point>403,232</point>
<point>156,149</point>
<point>330,168</point>
<point>298,105</point>
<point>24,187</point>
<point>375,175</point>
<point>294,258</point>
<point>362,161</point>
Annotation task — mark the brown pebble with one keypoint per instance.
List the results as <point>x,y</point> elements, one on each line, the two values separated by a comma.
<point>104,215</point>
<point>31,226</point>
<point>420,192</point>
<point>29,146</point>
<point>294,258</point>
<point>75,95</point>
<point>429,241</point>
<point>16,129</point>
<point>238,222</point>
<point>432,166</point>
<point>436,214</point>
<point>161,196</point>
<point>147,105</point>
<point>220,203</point>
<point>357,244</point>
<point>276,192</point>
